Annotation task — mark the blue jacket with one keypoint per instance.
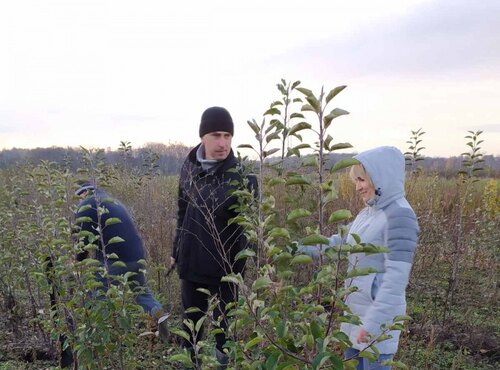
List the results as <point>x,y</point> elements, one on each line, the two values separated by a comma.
<point>131,249</point>
<point>389,221</point>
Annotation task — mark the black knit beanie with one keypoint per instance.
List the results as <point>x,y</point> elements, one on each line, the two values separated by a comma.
<point>216,119</point>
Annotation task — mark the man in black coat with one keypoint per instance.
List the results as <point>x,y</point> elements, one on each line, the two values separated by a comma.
<point>115,233</point>
<point>205,245</point>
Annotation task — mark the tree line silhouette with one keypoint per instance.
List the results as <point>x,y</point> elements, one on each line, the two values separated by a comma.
<point>167,159</point>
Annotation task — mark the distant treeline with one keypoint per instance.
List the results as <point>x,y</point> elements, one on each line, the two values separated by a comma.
<point>167,159</point>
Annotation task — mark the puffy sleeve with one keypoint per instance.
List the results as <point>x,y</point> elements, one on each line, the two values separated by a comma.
<point>401,235</point>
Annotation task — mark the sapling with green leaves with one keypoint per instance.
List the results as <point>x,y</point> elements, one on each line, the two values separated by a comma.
<point>325,190</point>
<point>472,165</point>
<point>295,322</point>
<point>413,155</point>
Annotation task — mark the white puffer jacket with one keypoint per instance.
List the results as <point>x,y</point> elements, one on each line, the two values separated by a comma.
<point>389,221</point>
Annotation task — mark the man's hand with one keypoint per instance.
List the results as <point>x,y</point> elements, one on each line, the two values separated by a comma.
<point>171,267</point>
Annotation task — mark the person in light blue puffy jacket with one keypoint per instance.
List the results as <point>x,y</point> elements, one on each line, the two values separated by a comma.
<point>387,220</point>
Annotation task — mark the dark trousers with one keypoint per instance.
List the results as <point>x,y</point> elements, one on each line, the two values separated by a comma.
<point>191,297</point>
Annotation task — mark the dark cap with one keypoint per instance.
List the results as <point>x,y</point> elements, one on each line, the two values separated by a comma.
<point>86,186</point>
<point>216,119</point>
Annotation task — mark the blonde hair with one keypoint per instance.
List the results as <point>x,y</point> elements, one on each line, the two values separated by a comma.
<point>358,171</point>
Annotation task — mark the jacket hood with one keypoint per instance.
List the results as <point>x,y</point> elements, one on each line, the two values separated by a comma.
<point>386,167</point>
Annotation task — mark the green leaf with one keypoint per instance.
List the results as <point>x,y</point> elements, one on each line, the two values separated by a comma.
<point>235,279</point>
<point>129,274</point>
<point>274,124</point>
<point>269,152</point>
<point>341,336</point>
<point>372,357</point>
<point>242,194</point>
<point>192,310</point>
<point>115,239</point>
<point>204,291</point>
<point>180,333</point>
<point>316,330</point>
<point>272,361</point>
<point>310,160</point>
<point>253,125</point>
<point>253,342</point>
<point>402,318</point>
<point>273,136</point>
<point>262,282</point>
<point>275,181</point>
<point>344,163</point>
<point>320,359</point>
<point>245,146</point>
<point>360,271</point>
<point>340,215</point>
<point>296,115</point>
<point>370,248</point>
<point>298,213</point>
<point>326,143</point>
<point>333,114</point>
<point>356,238</point>
<point>305,91</point>
<point>297,180</point>
<point>295,84</point>
<point>272,111</point>
<point>199,323</point>
<point>84,208</point>
<point>396,365</point>
<point>112,221</point>
<point>279,232</point>
<point>302,146</point>
<point>298,127</point>
<point>245,253</point>
<point>340,146</point>
<point>307,107</point>
<point>314,239</point>
<point>314,103</point>
<point>383,337</point>
<point>281,329</point>
<point>119,264</point>
<point>337,112</point>
<point>301,259</point>
<point>337,363</point>
<point>81,220</point>
<point>334,93</point>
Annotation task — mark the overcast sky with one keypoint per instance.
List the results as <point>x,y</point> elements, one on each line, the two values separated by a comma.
<point>94,73</point>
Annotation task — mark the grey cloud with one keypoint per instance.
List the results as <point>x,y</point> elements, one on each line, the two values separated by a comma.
<point>442,37</point>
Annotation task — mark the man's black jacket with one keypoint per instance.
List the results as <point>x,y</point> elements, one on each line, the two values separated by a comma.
<point>205,245</point>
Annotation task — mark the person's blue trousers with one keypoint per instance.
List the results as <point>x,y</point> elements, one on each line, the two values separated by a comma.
<point>364,364</point>
<point>145,298</point>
